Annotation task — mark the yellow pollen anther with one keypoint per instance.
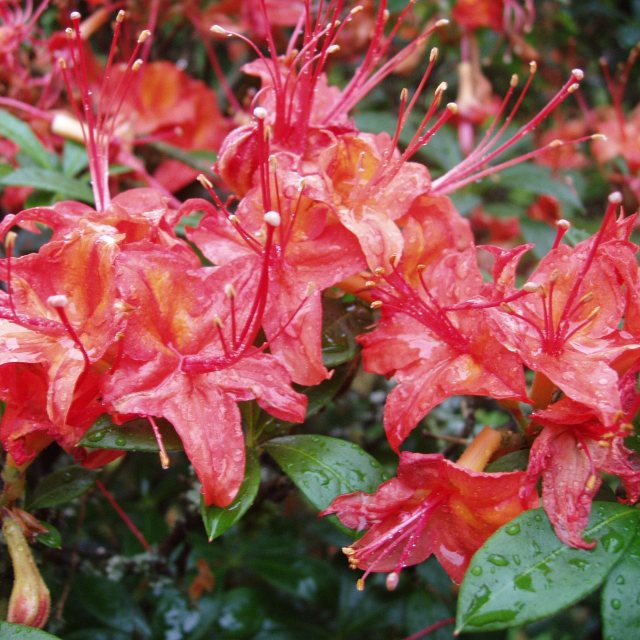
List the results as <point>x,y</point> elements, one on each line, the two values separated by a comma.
<point>10,240</point>
<point>229,290</point>
<point>591,482</point>
<point>507,308</point>
<point>533,67</point>
<point>360,584</point>
<point>578,74</point>
<point>594,313</point>
<point>233,219</point>
<point>530,287</point>
<point>144,35</point>
<point>58,301</point>
<point>452,107</point>
<point>514,80</point>
<point>441,88</point>
<point>605,444</point>
<point>376,304</point>
<point>217,321</point>
<point>204,181</point>
<point>555,274</point>
<point>369,284</point>
<point>122,14</point>
<point>599,136</point>
<point>556,143</point>
<point>136,65</point>
<point>563,224</point>
<point>587,297</point>
<point>216,28</point>
<point>379,271</point>
<point>433,54</point>
<point>334,48</point>
<point>443,22</point>
<point>348,551</point>
<point>573,88</point>
<point>311,287</point>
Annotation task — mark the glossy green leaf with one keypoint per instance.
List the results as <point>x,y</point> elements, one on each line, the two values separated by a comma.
<point>320,395</point>
<point>48,180</point>
<point>513,461</point>
<point>216,520</point>
<point>74,158</point>
<point>524,573</point>
<point>135,435</point>
<point>19,132</point>
<point>324,468</point>
<point>199,160</point>
<point>9,631</point>
<point>51,537</point>
<point>621,596</point>
<point>61,486</point>
<point>341,324</point>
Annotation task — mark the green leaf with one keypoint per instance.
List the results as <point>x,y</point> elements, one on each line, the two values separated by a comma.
<point>47,180</point>
<point>216,520</point>
<point>341,324</point>
<point>513,461</point>
<point>9,631</point>
<point>620,599</point>
<point>74,159</point>
<point>51,537</point>
<point>19,132</point>
<point>200,160</point>
<point>135,435</point>
<point>538,179</point>
<point>61,486</point>
<point>320,395</point>
<point>524,573</point>
<point>324,468</point>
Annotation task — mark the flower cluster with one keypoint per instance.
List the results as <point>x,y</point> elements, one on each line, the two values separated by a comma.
<point>118,314</point>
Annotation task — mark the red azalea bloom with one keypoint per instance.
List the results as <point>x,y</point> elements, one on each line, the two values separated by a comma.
<point>428,338</point>
<point>571,452</point>
<point>187,356</point>
<point>433,506</point>
<point>568,328</point>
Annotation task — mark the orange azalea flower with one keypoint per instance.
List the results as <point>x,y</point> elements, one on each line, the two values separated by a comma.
<point>433,506</point>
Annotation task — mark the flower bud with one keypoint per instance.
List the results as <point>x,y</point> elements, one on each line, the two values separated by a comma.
<point>30,601</point>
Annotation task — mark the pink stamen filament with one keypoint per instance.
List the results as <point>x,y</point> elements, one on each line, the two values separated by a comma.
<point>76,340</point>
<point>164,456</point>
<point>469,169</point>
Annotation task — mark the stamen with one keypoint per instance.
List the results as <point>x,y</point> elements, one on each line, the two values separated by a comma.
<point>9,245</point>
<point>164,456</point>
<point>59,302</point>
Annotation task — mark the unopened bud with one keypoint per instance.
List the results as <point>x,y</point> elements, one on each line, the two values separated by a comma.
<point>272,218</point>
<point>30,601</point>
<point>58,301</point>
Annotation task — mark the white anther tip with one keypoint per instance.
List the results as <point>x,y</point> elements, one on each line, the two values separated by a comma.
<point>58,301</point>
<point>216,28</point>
<point>615,197</point>
<point>272,218</point>
<point>443,22</point>
<point>563,224</point>
<point>578,74</point>
<point>260,113</point>
<point>530,287</point>
<point>75,15</point>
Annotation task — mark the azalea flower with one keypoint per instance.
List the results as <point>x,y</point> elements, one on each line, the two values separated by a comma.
<point>433,506</point>
<point>571,453</point>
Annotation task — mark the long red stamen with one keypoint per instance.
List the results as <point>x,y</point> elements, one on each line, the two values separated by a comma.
<point>164,456</point>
